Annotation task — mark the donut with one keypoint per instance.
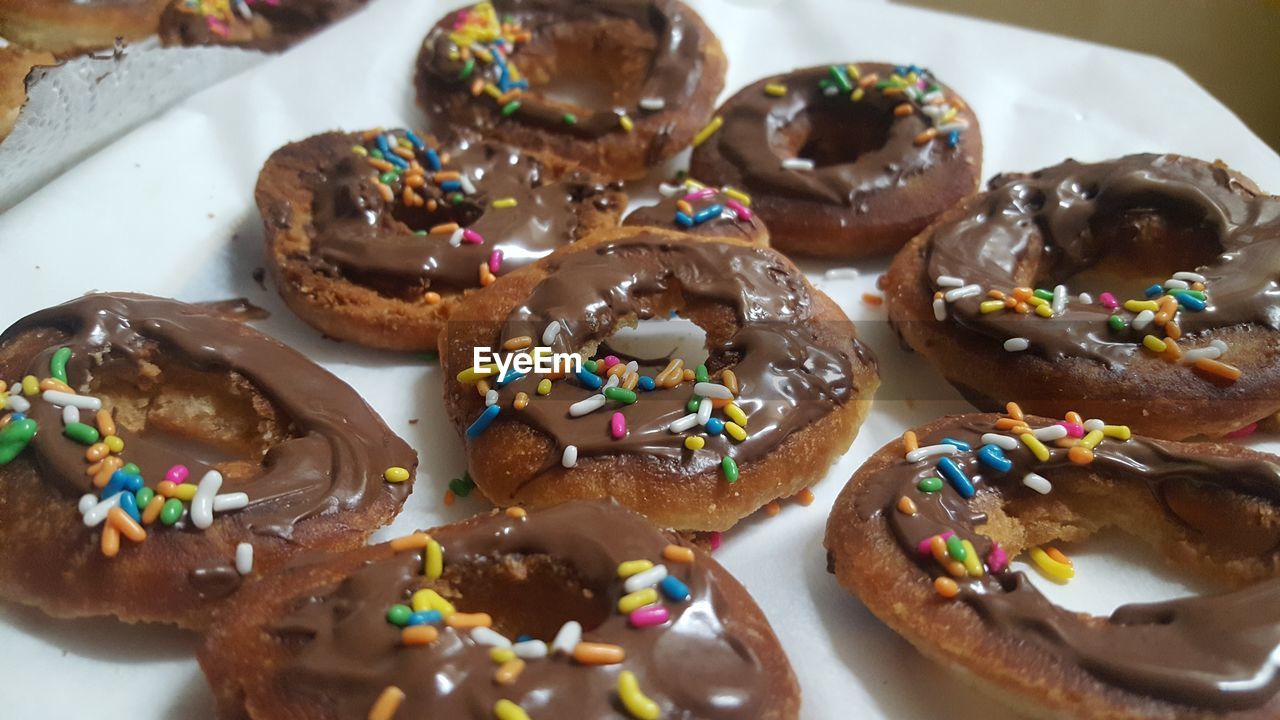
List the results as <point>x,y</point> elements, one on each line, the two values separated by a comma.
<point>1141,289</point>
<point>697,209</point>
<point>15,65</point>
<point>582,610</point>
<point>924,532</point>
<point>781,395</point>
<point>844,161</point>
<point>373,237</point>
<point>617,86</point>
<point>153,453</point>
<point>71,27</point>
<point>268,25</point>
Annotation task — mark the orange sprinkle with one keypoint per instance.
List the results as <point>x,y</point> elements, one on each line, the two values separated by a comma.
<point>907,506</point>
<point>903,110</point>
<point>419,635</point>
<point>521,402</point>
<point>805,497</point>
<point>631,380</point>
<point>1010,303</point>
<point>165,488</point>
<point>1022,293</point>
<point>55,384</point>
<point>106,469</point>
<point>1080,455</point>
<point>925,137</point>
<point>482,387</point>
<point>955,568</point>
<point>1014,411</point>
<point>387,195</point>
<point>1073,417</point>
<point>684,207</point>
<point>412,541</point>
<point>410,197</point>
<point>477,87</point>
<point>938,295</point>
<point>449,498</point>
<point>466,621</point>
<point>772,509</point>
<point>516,511</point>
<point>995,295</point>
<point>872,299</point>
<point>589,653</point>
<point>518,343</point>
<point>894,92</point>
<point>1007,423</point>
<point>1230,373</point>
<point>1172,330</point>
<point>617,369</point>
<point>1197,286</point>
<point>1066,442</point>
<point>382,165</point>
<point>677,554</point>
<point>431,298</point>
<point>96,452</point>
<point>371,134</point>
<point>938,547</point>
<point>152,511</point>
<point>106,424</point>
<point>508,671</point>
<point>432,205</point>
<point>446,176</point>
<point>730,380</point>
<point>689,375</point>
<point>1022,307</point>
<point>128,527</point>
<point>946,587</point>
<point>415,181</point>
<point>486,276</point>
<point>110,540</point>
<point>1171,350</point>
<point>443,229</point>
<point>403,152</point>
<point>1056,554</point>
<point>909,441</point>
<point>868,80</point>
<point>385,707</point>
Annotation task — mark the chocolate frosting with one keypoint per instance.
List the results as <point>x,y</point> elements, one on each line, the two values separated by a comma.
<point>756,138</point>
<point>1052,218</point>
<point>333,460</point>
<point>362,237</point>
<point>271,26</point>
<point>791,374</point>
<point>726,223</point>
<point>702,664</point>
<point>672,75</point>
<point>1218,651</point>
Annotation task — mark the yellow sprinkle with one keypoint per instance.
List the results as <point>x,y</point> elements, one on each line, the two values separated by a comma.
<point>431,600</point>
<point>385,707</point>
<point>735,414</point>
<point>1138,306</point>
<point>637,600</point>
<point>738,195</point>
<point>504,203</point>
<point>1044,311</point>
<point>708,131</point>
<point>636,702</point>
<point>114,443</point>
<point>544,387</point>
<point>631,567</point>
<point>30,386</point>
<point>434,563</point>
<point>501,655</point>
<point>185,492</point>
<point>474,374</point>
<point>694,442</point>
<point>359,150</point>
<point>735,431</point>
<point>492,90</point>
<point>971,563</point>
<point>1119,432</point>
<point>775,89</point>
<point>414,541</point>
<point>857,94</point>
<point>1035,301</point>
<point>1091,440</point>
<point>395,474</point>
<point>509,672</point>
<point>1056,571</point>
<point>853,71</point>
<point>991,306</point>
<point>1037,448</point>
<point>949,116</point>
<point>626,123</point>
<point>1154,344</point>
<point>507,710</point>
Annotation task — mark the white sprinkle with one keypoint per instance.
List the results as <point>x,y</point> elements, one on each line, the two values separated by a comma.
<point>530,649</point>
<point>646,579</point>
<point>1059,299</point>
<point>549,335</point>
<point>950,281</point>
<point>962,292</point>
<point>1143,319</point>
<point>1221,345</point>
<point>929,451</point>
<point>912,92</point>
<point>668,190</point>
<point>712,390</point>
<point>1085,298</point>
<point>830,90</point>
<point>17,403</point>
<point>957,124</point>
<point>584,407</point>
<point>491,398</point>
<point>82,402</point>
<point>1176,284</point>
<point>652,104</point>
<point>456,238</point>
<point>1017,344</point>
<point>684,423</point>
<point>797,164</point>
<point>570,456</point>
<point>931,96</point>
<point>1004,442</point>
<point>70,415</point>
<point>841,274</point>
<point>704,411</point>
<point>14,389</point>
<point>98,512</point>
<point>87,501</point>
<point>1050,432</point>
<point>1094,424</point>
<point>489,636</point>
<point>230,501</point>
<point>202,503</point>
<point>567,638</point>
<point>614,380</point>
<point>633,366</point>
<point>933,111</point>
<point>467,186</point>
<point>1204,353</point>
<point>1038,483</point>
<point>939,309</point>
<point>1189,277</point>
<point>244,558</point>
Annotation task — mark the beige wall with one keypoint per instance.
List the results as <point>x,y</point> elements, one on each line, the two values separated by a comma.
<point>1231,47</point>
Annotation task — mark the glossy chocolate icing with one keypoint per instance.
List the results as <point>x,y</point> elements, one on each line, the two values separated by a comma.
<point>358,235</point>
<point>672,75</point>
<point>1051,218</point>
<point>1216,651</point>
<point>702,664</point>
<point>270,25</point>
<point>726,223</point>
<point>790,375</point>
<point>755,140</point>
<point>333,460</point>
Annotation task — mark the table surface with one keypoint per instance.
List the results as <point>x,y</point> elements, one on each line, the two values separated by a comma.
<point>168,210</point>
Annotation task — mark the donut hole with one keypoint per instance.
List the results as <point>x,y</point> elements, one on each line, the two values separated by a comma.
<point>830,135</point>
<point>658,339</point>
<point>530,594</point>
<point>586,66</point>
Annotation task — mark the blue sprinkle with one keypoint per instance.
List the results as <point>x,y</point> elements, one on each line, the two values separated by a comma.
<point>1154,291</point>
<point>510,377</point>
<point>382,145</point>
<point>993,456</point>
<point>646,383</point>
<point>1191,302</point>
<point>397,161</point>
<point>483,422</point>
<point>119,482</point>
<point>714,426</point>
<point>960,445</point>
<point>522,84</point>
<point>129,504</point>
<point>683,220</point>
<point>953,138</point>
<point>433,160</point>
<point>673,589</point>
<point>523,638</point>
<point>18,416</point>
<point>417,142</point>
<point>591,380</point>
<point>952,472</point>
<point>450,185</point>
<point>425,617</point>
<point>708,214</point>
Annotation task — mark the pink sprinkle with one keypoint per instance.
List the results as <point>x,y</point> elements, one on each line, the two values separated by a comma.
<point>618,426</point>
<point>739,209</point>
<point>495,261</point>
<point>703,194</point>
<point>1245,431</point>
<point>1075,430</point>
<point>1108,301</point>
<point>610,361</point>
<point>217,26</point>
<point>649,616</point>
<point>714,539</point>
<point>997,560</point>
<point>925,546</point>
<point>177,474</point>
<point>471,236</point>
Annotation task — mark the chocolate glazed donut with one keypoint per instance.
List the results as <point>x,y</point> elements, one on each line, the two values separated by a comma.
<point>323,639</point>
<point>373,237</point>
<point>691,207</point>
<point>931,559</point>
<point>70,27</point>
<point>269,25</point>
<point>781,395</point>
<point>617,86</point>
<point>1144,289</point>
<point>845,161</point>
<point>187,433</point>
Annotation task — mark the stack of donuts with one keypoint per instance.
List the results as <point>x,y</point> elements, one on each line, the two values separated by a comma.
<point>1115,323</point>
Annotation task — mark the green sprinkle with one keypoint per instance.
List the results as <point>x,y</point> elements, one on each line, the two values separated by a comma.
<point>420,233</point>
<point>14,438</point>
<point>58,364</point>
<point>570,119</point>
<point>467,69</point>
<point>930,484</point>
<point>1043,294</point>
<point>620,394</point>
<point>171,512</point>
<point>700,374</point>
<point>81,433</point>
<point>462,486</point>
<point>1117,323</point>
<point>842,80</point>
<point>387,177</point>
<point>131,469</point>
<point>143,496</point>
<point>694,402</point>
<point>730,469</point>
<point>457,198</point>
<point>590,366</point>
<point>377,155</point>
<point>1197,294</point>
<point>955,548</point>
<point>399,614</point>
<point>885,84</point>
<point>510,107</point>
